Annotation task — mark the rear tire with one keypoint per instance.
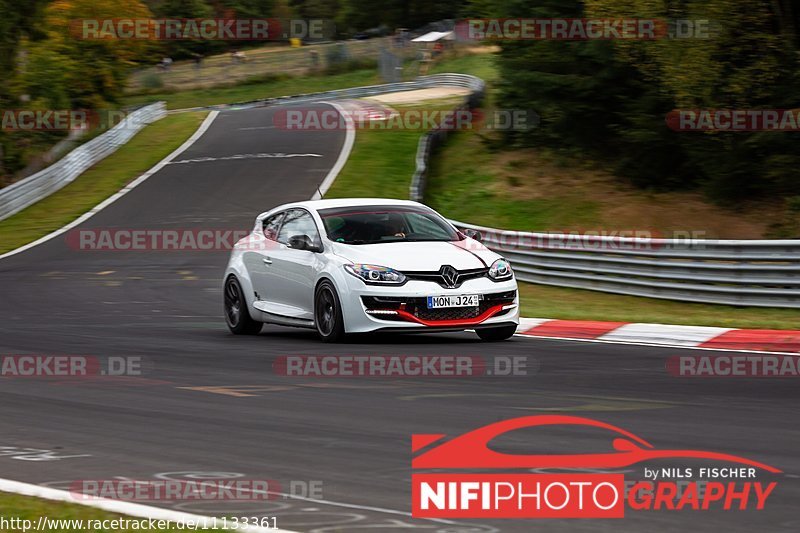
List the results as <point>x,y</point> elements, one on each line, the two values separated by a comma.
<point>328,313</point>
<point>237,315</point>
<point>496,334</point>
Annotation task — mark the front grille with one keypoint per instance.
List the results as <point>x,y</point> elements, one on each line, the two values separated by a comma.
<point>419,307</point>
<point>438,277</point>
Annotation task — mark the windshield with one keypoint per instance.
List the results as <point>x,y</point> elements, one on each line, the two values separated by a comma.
<point>381,223</point>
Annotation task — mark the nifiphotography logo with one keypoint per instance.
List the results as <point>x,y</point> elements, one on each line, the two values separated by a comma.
<point>726,482</point>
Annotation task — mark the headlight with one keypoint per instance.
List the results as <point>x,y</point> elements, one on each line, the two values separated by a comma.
<point>500,270</point>
<point>376,274</point>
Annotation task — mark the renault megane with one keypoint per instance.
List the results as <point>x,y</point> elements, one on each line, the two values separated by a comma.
<point>363,265</point>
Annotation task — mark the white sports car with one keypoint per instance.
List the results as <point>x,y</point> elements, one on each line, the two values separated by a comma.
<point>363,265</point>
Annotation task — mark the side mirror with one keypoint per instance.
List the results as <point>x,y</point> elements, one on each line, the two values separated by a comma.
<point>474,234</point>
<point>303,242</point>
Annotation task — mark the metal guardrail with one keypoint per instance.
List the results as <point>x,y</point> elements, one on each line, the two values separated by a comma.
<point>422,82</point>
<point>759,273</point>
<point>30,190</point>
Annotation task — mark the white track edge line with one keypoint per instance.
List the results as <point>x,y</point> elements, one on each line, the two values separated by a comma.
<point>122,192</point>
<point>344,155</point>
<point>120,507</point>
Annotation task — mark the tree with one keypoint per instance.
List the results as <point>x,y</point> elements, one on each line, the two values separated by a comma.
<point>187,9</point>
<point>315,9</point>
<point>578,89</point>
<point>364,14</point>
<point>93,71</point>
<point>748,61</point>
<point>246,8</point>
<point>19,20</point>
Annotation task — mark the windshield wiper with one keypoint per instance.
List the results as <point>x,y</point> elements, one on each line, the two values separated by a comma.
<point>358,241</point>
<point>387,241</point>
<point>428,240</point>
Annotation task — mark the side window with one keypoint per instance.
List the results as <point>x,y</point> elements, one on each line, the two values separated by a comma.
<point>271,226</point>
<point>298,222</point>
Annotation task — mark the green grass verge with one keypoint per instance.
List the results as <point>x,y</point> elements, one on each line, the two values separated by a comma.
<point>383,160</point>
<point>26,508</point>
<point>147,148</point>
<point>380,165</point>
<point>540,301</point>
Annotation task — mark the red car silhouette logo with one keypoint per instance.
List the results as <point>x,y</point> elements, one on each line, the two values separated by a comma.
<point>471,451</point>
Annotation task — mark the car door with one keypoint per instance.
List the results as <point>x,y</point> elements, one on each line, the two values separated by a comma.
<point>257,258</point>
<point>293,271</point>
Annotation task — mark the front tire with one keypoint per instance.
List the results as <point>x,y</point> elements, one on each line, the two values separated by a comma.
<point>236,314</point>
<point>328,313</point>
<point>500,333</point>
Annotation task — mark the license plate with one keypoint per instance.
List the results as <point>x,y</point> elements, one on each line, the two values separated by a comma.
<point>463,300</point>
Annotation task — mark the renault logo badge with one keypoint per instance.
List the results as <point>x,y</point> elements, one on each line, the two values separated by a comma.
<point>449,275</point>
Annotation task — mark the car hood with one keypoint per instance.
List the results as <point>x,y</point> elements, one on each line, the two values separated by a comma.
<point>419,256</point>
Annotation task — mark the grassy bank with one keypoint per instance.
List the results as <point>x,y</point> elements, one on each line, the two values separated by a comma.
<point>147,148</point>
<point>477,177</point>
<point>532,190</point>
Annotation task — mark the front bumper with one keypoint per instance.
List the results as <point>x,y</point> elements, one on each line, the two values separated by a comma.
<point>370,308</point>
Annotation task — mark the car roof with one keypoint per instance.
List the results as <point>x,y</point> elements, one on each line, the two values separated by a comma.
<point>316,205</point>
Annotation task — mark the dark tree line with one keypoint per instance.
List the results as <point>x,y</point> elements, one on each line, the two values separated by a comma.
<point>609,99</point>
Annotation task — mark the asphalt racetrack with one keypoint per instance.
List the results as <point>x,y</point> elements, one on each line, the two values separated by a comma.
<point>211,406</point>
